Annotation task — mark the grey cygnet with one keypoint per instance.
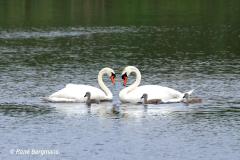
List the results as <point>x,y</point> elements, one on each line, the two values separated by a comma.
<point>188,100</point>
<point>151,101</point>
<point>89,100</point>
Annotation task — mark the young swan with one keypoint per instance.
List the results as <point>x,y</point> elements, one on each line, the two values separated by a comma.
<point>151,101</point>
<point>89,100</point>
<point>188,100</point>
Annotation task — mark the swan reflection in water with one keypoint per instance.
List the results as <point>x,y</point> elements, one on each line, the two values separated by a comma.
<point>115,110</point>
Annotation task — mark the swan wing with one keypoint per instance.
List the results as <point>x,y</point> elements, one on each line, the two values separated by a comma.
<point>76,93</point>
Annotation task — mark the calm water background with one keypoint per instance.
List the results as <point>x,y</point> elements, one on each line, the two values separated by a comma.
<point>180,44</point>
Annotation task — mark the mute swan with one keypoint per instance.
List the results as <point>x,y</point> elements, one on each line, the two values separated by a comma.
<point>188,100</point>
<point>133,93</point>
<point>152,101</point>
<point>76,92</point>
<point>89,101</point>
<point>185,100</point>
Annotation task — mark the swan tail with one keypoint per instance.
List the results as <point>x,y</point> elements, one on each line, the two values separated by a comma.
<point>46,99</point>
<point>190,92</point>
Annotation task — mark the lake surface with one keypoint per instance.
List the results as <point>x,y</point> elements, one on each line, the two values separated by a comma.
<point>183,45</point>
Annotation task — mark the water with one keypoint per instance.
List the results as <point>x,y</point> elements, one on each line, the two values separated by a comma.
<point>179,50</point>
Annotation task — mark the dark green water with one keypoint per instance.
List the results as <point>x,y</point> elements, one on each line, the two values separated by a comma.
<point>180,44</point>
<point>34,13</point>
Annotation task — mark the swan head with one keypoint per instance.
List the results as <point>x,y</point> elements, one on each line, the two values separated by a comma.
<point>144,96</point>
<point>125,78</point>
<point>111,74</point>
<point>126,72</point>
<point>112,77</point>
<point>88,95</point>
<point>186,96</point>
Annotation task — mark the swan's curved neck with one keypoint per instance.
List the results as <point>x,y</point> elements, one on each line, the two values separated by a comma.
<point>103,86</point>
<point>134,85</point>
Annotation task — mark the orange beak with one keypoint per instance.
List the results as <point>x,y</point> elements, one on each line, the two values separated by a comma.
<point>112,79</point>
<point>125,79</point>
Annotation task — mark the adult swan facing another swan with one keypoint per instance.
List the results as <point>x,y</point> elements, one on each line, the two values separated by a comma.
<point>76,92</point>
<point>133,93</point>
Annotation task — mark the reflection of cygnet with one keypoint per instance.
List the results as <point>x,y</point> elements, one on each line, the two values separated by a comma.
<point>89,100</point>
<point>151,101</point>
<point>188,100</point>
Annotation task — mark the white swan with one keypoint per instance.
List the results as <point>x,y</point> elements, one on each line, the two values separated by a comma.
<point>76,92</point>
<point>133,93</point>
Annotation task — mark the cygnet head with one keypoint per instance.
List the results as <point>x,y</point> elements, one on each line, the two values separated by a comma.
<point>144,96</point>
<point>186,96</point>
<point>88,95</point>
